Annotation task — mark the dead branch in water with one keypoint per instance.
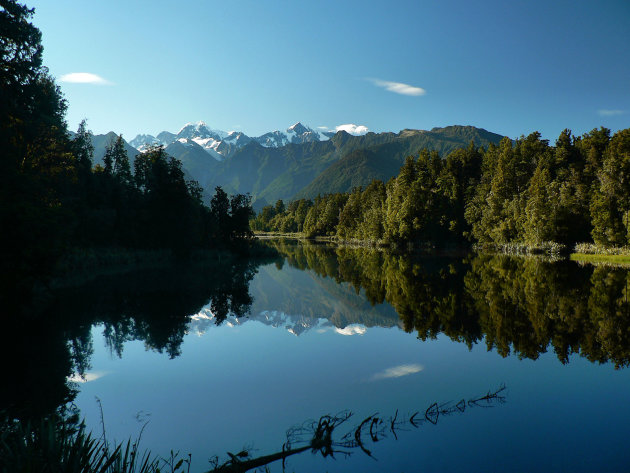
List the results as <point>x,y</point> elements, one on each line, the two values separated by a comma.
<point>318,436</point>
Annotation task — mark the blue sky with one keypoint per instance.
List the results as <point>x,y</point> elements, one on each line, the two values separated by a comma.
<point>511,67</point>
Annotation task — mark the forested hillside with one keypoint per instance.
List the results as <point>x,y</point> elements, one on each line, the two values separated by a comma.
<point>336,165</point>
<point>525,192</point>
<point>376,158</point>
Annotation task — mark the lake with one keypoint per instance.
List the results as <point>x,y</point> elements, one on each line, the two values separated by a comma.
<point>421,363</point>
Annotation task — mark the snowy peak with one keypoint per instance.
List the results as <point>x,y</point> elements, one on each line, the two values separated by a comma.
<point>144,142</point>
<point>200,130</point>
<point>166,137</point>
<point>208,138</point>
<point>220,144</point>
<point>298,129</point>
<point>299,133</point>
<point>296,134</point>
<point>237,138</point>
<point>273,139</point>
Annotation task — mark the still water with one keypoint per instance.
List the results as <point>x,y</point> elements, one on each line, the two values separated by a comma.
<point>481,363</point>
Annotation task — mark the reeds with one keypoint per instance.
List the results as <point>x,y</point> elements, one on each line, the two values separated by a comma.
<point>54,445</point>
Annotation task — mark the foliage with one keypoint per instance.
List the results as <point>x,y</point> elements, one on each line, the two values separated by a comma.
<point>524,194</point>
<point>53,199</point>
<point>515,305</point>
<point>337,165</point>
<point>57,444</point>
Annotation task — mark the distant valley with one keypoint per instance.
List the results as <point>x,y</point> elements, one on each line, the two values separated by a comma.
<point>297,162</point>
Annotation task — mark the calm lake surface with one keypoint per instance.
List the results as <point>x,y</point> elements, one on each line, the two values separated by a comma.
<point>477,363</point>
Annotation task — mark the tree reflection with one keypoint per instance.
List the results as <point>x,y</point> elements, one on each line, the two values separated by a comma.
<point>40,354</point>
<point>519,305</point>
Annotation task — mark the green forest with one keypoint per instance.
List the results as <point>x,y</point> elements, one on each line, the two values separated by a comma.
<point>52,197</point>
<point>524,192</point>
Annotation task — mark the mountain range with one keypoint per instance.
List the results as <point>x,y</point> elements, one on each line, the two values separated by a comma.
<point>297,162</point>
<point>221,144</point>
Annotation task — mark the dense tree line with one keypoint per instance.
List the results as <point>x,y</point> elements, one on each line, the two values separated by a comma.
<point>52,197</point>
<point>526,192</point>
<point>154,206</point>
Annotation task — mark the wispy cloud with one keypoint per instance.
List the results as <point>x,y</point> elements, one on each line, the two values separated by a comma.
<point>353,129</point>
<point>398,87</point>
<point>610,113</point>
<point>84,78</point>
<point>397,371</point>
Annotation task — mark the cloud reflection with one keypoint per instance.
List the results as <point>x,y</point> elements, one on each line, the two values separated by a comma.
<point>398,371</point>
<point>87,377</point>
<point>352,329</point>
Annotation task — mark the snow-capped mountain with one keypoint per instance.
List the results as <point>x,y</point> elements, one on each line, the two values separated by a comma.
<point>220,144</point>
<point>297,133</point>
<point>166,137</point>
<point>206,137</point>
<point>143,142</point>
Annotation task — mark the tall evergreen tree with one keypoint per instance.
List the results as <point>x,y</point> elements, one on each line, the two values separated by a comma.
<point>611,203</point>
<point>82,147</point>
<point>120,161</point>
<point>37,170</point>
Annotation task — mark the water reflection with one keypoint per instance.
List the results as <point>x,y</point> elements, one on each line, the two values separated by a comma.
<point>44,359</point>
<point>520,306</point>
<point>513,304</point>
<point>523,306</point>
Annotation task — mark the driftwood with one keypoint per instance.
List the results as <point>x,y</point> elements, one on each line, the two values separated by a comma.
<point>318,435</point>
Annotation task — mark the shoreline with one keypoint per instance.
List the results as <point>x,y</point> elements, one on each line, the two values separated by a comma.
<point>622,261</point>
<point>584,253</point>
<point>82,265</point>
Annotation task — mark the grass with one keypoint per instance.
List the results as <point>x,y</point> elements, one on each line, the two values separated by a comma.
<point>607,259</point>
<point>595,254</point>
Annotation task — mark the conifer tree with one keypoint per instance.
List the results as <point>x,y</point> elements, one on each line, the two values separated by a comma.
<point>539,222</point>
<point>120,161</point>
<point>82,146</point>
<point>611,203</point>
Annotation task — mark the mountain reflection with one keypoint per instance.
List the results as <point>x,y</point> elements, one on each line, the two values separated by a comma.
<point>523,306</point>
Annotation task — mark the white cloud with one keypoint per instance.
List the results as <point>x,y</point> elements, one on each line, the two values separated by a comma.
<point>399,87</point>
<point>397,371</point>
<point>353,329</point>
<point>325,128</point>
<point>610,113</point>
<point>84,78</point>
<point>353,129</point>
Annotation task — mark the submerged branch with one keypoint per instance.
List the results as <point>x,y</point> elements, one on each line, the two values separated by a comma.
<point>318,435</point>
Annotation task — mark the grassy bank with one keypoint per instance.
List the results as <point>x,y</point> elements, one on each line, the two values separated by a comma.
<point>622,260</point>
<point>594,254</point>
<point>582,252</point>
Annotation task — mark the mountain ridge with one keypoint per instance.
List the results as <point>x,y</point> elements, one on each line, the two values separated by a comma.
<point>304,168</point>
